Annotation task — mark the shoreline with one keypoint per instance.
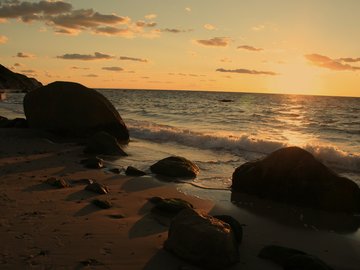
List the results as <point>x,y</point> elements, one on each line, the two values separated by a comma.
<point>60,228</point>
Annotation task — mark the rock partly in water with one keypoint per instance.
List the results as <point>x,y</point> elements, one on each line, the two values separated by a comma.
<point>93,163</point>
<point>16,81</point>
<point>105,144</point>
<point>175,166</point>
<point>97,188</point>
<point>72,109</point>
<point>235,225</point>
<point>203,240</point>
<point>115,170</point>
<point>104,204</point>
<point>293,175</point>
<point>58,183</point>
<point>132,171</point>
<point>13,123</point>
<point>292,259</point>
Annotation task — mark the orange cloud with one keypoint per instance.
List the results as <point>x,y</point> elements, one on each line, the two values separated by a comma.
<point>247,71</point>
<point>24,55</point>
<point>250,48</point>
<point>85,57</point>
<point>326,62</point>
<point>3,39</point>
<point>113,68</point>
<point>215,42</point>
<point>209,27</point>
<point>133,59</point>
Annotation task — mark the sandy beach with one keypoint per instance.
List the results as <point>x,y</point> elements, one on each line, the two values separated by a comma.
<point>43,227</point>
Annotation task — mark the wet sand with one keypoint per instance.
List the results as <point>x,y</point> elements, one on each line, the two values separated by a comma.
<point>43,227</point>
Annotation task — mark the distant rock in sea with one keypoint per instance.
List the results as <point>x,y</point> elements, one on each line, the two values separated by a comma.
<point>72,109</point>
<point>16,81</point>
<point>293,175</point>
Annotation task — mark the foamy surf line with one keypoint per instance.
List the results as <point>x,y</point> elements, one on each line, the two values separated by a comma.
<point>238,144</point>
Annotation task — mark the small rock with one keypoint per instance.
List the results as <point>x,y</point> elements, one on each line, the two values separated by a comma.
<point>305,262</point>
<point>234,224</point>
<point>118,216</point>
<point>115,170</point>
<point>132,171</point>
<point>59,183</point>
<point>93,163</point>
<point>175,166</point>
<point>292,259</point>
<point>97,188</point>
<point>170,206</point>
<point>105,204</point>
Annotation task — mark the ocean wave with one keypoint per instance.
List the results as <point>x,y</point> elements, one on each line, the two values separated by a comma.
<point>238,145</point>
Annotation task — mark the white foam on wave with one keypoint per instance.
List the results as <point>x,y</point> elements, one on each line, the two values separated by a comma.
<point>238,145</point>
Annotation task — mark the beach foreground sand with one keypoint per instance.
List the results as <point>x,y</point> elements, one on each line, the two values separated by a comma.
<point>42,227</point>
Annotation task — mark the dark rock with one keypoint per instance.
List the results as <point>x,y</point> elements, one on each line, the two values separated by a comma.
<point>305,262</point>
<point>93,163</point>
<point>104,143</point>
<point>97,188</point>
<point>58,183</point>
<point>293,175</point>
<point>72,109</point>
<point>132,171</point>
<point>235,225</point>
<point>16,81</point>
<point>175,166</point>
<point>105,204</point>
<point>169,207</point>
<point>115,170</point>
<point>155,199</point>
<point>203,240</point>
<point>13,123</point>
<point>116,216</point>
<point>226,100</point>
<point>278,254</point>
<point>292,259</point>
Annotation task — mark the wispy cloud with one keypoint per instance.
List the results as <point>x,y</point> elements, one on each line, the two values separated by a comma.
<point>64,19</point>
<point>91,75</point>
<point>79,68</point>
<point>150,16</point>
<point>3,39</point>
<point>250,48</point>
<point>24,55</point>
<point>176,30</point>
<point>29,11</point>
<point>349,60</point>
<point>258,27</point>
<point>215,42</point>
<point>326,62</point>
<point>133,59</point>
<point>145,24</point>
<point>209,27</point>
<point>247,71</point>
<point>85,57</point>
<point>188,9</point>
<point>113,68</point>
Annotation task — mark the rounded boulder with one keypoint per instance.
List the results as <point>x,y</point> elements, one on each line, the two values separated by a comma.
<point>71,108</point>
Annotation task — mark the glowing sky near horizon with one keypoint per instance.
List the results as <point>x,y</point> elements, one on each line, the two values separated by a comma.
<point>302,47</point>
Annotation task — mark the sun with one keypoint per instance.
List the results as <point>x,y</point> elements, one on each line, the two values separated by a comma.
<point>296,78</point>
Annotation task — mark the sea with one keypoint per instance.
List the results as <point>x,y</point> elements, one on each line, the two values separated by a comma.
<point>219,131</point>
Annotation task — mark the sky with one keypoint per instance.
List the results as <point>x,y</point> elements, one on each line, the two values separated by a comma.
<point>278,46</point>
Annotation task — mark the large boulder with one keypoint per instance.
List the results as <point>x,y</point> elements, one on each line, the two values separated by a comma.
<point>71,108</point>
<point>203,240</point>
<point>105,144</point>
<point>293,175</point>
<point>175,166</point>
